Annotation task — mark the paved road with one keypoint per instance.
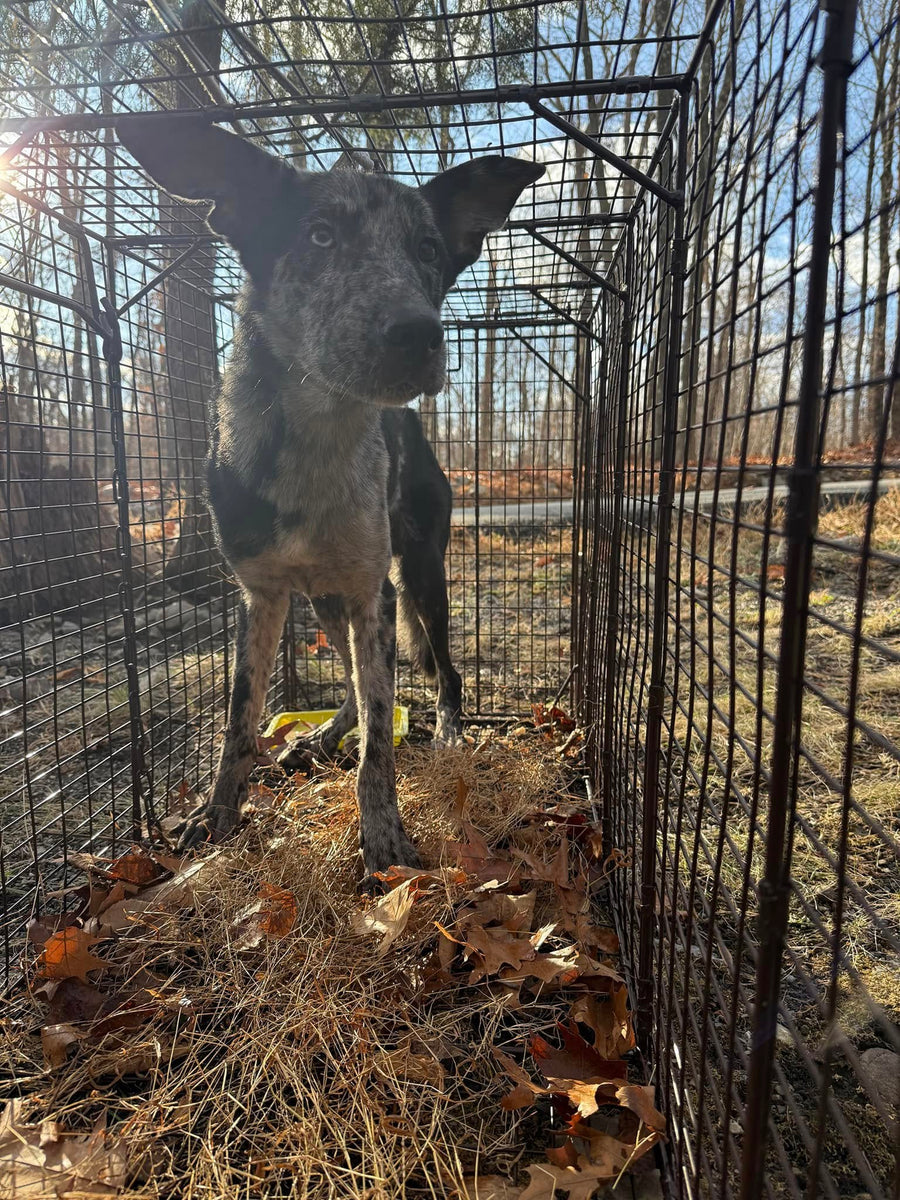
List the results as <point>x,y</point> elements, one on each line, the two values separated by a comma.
<point>561,512</point>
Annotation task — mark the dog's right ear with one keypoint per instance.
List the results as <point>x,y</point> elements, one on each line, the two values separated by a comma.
<point>190,158</point>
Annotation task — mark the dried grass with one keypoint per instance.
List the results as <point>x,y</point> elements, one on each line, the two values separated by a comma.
<point>307,1065</point>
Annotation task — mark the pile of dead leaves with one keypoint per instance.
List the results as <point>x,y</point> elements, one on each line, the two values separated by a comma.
<point>524,923</point>
<point>242,1024</point>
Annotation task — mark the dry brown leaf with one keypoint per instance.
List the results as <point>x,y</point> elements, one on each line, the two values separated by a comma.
<point>66,674</point>
<point>521,1096</point>
<point>55,1042</point>
<point>609,1020</point>
<point>279,910</point>
<point>556,871</point>
<point>585,1095</point>
<point>576,1059</point>
<point>496,948</point>
<point>640,1099</point>
<point>596,937</point>
<point>278,738</point>
<point>604,1149</point>
<point>559,966</point>
<point>565,1155</point>
<point>137,867</point>
<point>514,913</point>
<point>547,1180</point>
<point>459,808</point>
<point>163,898</point>
<point>476,858</point>
<point>388,916</point>
<point>421,880</point>
<point>67,954</point>
<point>41,929</point>
<point>38,1162</point>
<point>75,1003</point>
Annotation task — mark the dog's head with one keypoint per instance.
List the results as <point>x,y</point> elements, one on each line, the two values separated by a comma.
<point>349,271</point>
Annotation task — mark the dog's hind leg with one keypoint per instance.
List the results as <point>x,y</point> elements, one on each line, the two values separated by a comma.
<point>373,643</point>
<point>323,742</point>
<point>259,624</point>
<point>424,583</point>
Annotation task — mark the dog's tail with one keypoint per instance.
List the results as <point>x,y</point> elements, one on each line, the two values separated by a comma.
<point>410,634</point>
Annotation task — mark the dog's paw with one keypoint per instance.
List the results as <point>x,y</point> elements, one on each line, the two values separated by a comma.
<point>323,745</point>
<point>382,852</point>
<point>206,823</point>
<point>448,729</point>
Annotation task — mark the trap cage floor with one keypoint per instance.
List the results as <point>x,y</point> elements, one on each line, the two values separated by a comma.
<point>670,428</point>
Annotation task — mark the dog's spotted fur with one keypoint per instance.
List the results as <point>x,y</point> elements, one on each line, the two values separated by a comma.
<point>320,480</point>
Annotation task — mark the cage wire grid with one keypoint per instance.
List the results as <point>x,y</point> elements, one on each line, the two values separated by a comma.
<point>671,431</point>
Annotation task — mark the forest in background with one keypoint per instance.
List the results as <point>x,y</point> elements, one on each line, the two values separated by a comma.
<point>507,416</point>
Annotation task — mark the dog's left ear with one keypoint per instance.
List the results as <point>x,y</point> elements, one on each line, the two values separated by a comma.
<point>474,199</point>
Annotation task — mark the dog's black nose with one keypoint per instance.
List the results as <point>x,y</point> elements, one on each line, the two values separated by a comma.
<point>415,333</point>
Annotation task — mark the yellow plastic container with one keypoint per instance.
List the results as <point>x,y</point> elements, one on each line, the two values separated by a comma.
<point>311,719</point>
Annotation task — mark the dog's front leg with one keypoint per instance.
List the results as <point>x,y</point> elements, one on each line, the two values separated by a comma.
<point>373,644</point>
<point>259,624</point>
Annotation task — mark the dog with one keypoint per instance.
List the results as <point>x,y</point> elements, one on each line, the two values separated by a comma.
<point>320,479</point>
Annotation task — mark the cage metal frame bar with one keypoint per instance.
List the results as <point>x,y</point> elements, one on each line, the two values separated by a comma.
<point>803,478</point>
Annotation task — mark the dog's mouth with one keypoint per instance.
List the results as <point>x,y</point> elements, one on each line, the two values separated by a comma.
<point>393,383</point>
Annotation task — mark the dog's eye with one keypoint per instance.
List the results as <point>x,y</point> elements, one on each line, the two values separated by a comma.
<point>322,236</point>
<point>428,250</point>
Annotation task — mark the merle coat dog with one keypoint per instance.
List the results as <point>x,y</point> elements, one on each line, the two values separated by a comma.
<point>320,479</point>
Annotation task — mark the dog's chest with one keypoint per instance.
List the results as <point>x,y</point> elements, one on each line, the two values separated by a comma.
<point>303,502</point>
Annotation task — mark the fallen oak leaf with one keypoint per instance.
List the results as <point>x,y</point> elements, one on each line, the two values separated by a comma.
<point>597,937</point>
<point>67,953</point>
<point>38,1162</point>
<point>556,871</point>
<point>270,916</point>
<point>276,739</point>
<point>475,857</point>
<point>565,1155</point>
<point>575,1059</point>
<point>137,867</point>
<point>496,948</point>
<point>388,916</point>
<point>579,1182</point>
<point>640,1099</point>
<point>609,1020</point>
<point>520,1097</point>
<point>75,1003</point>
<point>163,898</point>
<point>585,1095</point>
<point>514,913</point>
<point>41,929</point>
<point>55,1043</point>
<point>605,1149</point>
<point>279,910</point>
<point>396,875</point>
<point>559,966</point>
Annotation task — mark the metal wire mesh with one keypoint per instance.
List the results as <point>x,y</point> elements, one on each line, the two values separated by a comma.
<point>671,431</point>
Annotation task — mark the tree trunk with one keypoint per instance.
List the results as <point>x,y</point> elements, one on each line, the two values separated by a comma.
<point>886,238</point>
<point>191,363</point>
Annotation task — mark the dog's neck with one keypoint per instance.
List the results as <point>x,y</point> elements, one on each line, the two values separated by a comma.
<point>274,389</point>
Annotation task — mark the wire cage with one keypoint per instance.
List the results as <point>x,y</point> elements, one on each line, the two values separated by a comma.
<point>671,430</point>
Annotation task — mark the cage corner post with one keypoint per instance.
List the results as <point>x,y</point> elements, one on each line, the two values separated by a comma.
<point>647,916</point>
<point>801,520</point>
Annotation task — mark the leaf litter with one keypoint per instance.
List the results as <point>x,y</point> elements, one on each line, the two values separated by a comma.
<point>254,1029</point>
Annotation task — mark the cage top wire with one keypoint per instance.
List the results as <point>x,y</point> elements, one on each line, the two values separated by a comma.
<point>403,87</point>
